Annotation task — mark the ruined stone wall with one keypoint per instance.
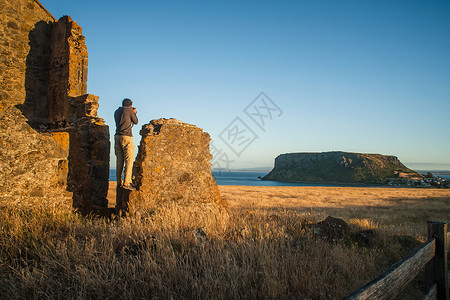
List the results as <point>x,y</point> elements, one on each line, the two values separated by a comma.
<point>49,127</point>
<point>173,164</point>
<point>89,154</point>
<point>68,61</point>
<point>32,165</point>
<point>25,30</point>
<point>74,111</point>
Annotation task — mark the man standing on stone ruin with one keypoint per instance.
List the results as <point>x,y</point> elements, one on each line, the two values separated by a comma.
<point>125,118</point>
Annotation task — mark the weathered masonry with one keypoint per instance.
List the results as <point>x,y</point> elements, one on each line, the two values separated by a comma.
<point>172,165</point>
<point>52,143</point>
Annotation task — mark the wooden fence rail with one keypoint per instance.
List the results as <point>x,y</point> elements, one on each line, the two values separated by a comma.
<point>432,255</point>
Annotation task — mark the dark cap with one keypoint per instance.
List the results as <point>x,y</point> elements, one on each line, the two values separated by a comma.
<point>127,102</point>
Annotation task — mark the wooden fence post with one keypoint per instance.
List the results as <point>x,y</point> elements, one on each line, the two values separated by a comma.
<point>436,269</point>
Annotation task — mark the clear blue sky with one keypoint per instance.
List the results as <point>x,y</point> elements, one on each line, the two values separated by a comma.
<point>359,76</point>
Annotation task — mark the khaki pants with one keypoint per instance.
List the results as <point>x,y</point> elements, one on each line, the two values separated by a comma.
<point>124,148</point>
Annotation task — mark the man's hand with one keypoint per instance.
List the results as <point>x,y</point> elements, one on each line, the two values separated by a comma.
<point>134,110</point>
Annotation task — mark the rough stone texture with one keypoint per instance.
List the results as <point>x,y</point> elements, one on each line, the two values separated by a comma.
<point>338,167</point>
<point>68,61</point>
<point>74,111</point>
<point>24,38</point>
<point>33,166</point>
<point>49,128</point>
<point>89,154</point>
<point>333,229</point>
<point>173,164</point>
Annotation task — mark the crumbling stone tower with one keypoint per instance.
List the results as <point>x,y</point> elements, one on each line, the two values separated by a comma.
<point>51,139</point>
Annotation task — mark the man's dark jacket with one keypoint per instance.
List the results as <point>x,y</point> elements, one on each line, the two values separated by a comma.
<point>125,118</point>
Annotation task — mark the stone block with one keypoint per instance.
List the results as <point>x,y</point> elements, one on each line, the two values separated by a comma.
<point>173,164</point>
<point>61,140</point>
<point>84,106</point>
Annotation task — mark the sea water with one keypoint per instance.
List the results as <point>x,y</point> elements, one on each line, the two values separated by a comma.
<point>243,178</point>
<point>253,179</point>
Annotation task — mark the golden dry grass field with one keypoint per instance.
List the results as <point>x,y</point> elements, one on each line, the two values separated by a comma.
<point>261,247</point>
<point>396,210</point>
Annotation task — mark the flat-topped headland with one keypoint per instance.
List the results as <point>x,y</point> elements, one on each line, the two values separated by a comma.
<point>339,167</point>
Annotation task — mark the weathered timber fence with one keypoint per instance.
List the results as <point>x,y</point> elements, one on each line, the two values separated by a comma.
<point>432,254</point>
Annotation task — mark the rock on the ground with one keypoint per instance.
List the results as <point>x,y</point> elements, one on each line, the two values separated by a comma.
<point>333,229</point>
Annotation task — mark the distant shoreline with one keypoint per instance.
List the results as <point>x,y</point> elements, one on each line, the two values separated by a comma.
<point>250,178</point>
